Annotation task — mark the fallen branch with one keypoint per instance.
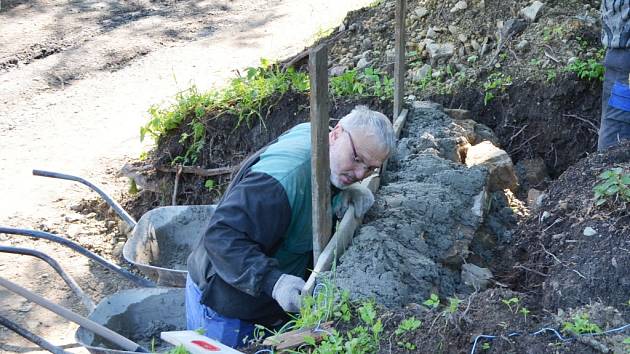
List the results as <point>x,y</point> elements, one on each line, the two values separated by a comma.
<point>195,170</point>
<point>582,120</point>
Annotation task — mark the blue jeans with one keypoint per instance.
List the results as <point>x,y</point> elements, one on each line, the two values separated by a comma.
<point>229,331</point>
<point>615,123</point>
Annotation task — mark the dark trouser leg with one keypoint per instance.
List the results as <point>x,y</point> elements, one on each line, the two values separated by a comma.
<point>615,123</point>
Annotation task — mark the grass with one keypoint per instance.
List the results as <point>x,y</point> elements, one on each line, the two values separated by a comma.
<point>245,97</point>
<point>495,84</point>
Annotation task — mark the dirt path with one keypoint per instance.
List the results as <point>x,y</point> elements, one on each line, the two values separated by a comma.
<point>77,78</point>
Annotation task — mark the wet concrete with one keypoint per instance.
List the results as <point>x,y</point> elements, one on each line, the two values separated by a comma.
<point>419,231</point>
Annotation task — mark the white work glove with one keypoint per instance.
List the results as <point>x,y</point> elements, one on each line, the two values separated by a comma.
<point>361,197</point>
<point>288,292</point>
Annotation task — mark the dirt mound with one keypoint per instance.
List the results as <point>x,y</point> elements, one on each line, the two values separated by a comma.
<point>573,252</point>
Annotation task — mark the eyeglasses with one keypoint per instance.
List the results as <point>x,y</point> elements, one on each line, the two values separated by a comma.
<point>357,159</point>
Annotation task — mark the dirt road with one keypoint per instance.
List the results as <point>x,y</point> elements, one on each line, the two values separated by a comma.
<point>77,78</point>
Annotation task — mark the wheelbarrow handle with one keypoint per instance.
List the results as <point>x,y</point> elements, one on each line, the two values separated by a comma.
<point>111,202</point>
<point>89,304</point>
<point>76,318</point>
<point>31,336</point>
<point>73,245</point>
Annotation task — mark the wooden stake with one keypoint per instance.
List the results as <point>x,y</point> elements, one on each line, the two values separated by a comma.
<point>320,160</point>
<point>399,63</point>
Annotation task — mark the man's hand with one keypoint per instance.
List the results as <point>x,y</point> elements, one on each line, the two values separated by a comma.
<point>287,292</point>
<point>361,197</point>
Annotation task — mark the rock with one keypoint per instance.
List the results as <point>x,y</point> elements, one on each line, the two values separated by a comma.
<point>458,114</point>
<point>74,230</point>
<point>453,29</point>
<point>110,224</point>
<point>426,105</point>
<point>440,51</point>
<point>432,33</point>
<point>342,27</point>
<point>362,63</point>
<point>531,12</point>
<point>533,198</point>
<point>421,73</point>
<point>421,12</point>
<point>483,132</point>
<point>460,5</point>
<point>475,276</point>
<point>522,45</point>
<point>544,216</point>
<point>589,231</point>
<point>337,70</point>
<point>462,38</point>
<point>475,45</point>
<point>118,250</point>
<point>512,27</point>
<point>571,60</point>
<point>499,163</point>
<point>479,204</point>
<point>72,218</point>
<point>77,207</point>
<point>531,172</point>
<point>366,44</point>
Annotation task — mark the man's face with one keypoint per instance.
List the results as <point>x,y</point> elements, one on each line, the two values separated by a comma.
<point>353,155</point>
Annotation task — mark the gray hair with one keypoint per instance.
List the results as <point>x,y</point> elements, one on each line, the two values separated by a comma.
<point>363,118</point>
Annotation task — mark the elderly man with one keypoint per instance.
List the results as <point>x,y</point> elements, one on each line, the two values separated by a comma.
<point>251,262</point>
<point>615,121</point>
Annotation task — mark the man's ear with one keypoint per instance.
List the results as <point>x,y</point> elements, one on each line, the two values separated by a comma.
<point>335,133</point>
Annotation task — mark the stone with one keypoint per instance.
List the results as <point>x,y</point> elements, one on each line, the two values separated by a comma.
<point>420,73</point>
<point>421,12</point>
<point>589,231</point>
<point>532,11</point>
<point>440,51</point>
<point>512,27</point>
<point>462,38</point>
<point>72,218</point>
<point>362,63</point>
<point>544,216</point>
<point>479,204</point>
<point>337,70</point>
<point>74,230</point>
<point>459,114</point>
<point>459,6</point>
<point>571,60</point>
<point>118,250</point>
<point>432,33</point>
<point>499,164</point>
<point>533,198</point>
<point>453,29</point>
<point>475,45</point>
<point>476,276</point>
<point>426,105</point>
<point>532,172</point>
<point>366,44</point>
<point>522,45</point>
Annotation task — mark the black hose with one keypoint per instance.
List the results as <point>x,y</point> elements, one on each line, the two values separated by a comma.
<point>31,336</point>
<point>73,245</point>
<point>111,202</point>
<point>89,304</point>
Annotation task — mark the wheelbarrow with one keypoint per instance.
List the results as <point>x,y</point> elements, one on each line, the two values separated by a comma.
<point>128,321</point>
<point>161,240</point>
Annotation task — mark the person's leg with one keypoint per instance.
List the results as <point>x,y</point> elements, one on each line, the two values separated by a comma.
<point>615,123</point>
<point>229,331</point>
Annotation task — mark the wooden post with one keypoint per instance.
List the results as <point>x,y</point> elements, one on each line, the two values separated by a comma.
<point>399,63</point>
<point>320,159</point>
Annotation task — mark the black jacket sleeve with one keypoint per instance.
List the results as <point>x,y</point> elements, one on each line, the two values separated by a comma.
<point>245,229</point>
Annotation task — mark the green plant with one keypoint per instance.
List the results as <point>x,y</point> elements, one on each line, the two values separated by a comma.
<point>524,311</point>
<point>614,186</point>
<point>503,56</point>
<point>371,82</point>
<point>453,305</point>
<point>407,325</point>
<point>513,301</point>
<point>209,184</point>
<point>591,69</point>
<point>133,187</point>
<point>535,62</point>
<point>551,75</point>
<point>495,83</point>
<point>406,345</point>
<point>180,349</point>
<point>580,325</point>
<point>432,302</point>
<point>472,59</point>
<point>485,346</point>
